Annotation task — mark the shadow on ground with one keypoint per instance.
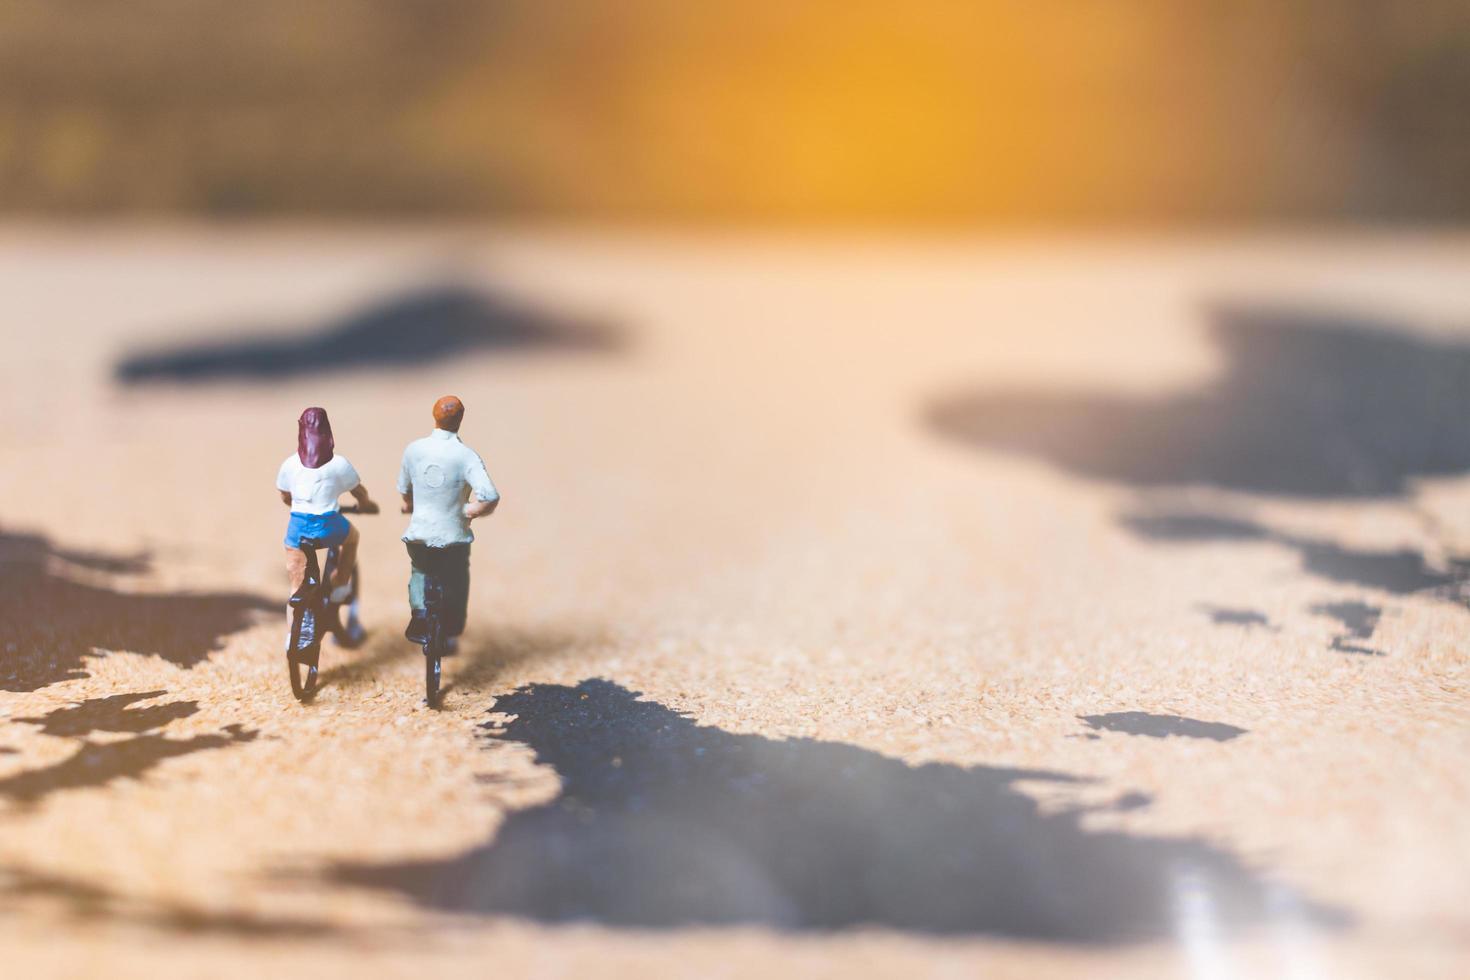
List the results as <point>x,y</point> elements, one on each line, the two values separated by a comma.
<point>663,823</point>
<point>99,763</point>
<point>1230,616</point>
<point>58,607</point>
<point>1359,619</point>
<point>420,327</point>
<point>1307,403</point>
<point>1161,726</point>
<point>82,901</point>
<point>115,713</point>
<point>1402,572</point>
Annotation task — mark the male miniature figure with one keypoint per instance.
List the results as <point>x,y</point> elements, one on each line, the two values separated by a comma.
<point>444,486</point>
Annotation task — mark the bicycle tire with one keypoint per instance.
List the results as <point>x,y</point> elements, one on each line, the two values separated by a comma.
<point>303,690</point>
<point>433,647</point>
<point>432,672</point>
<point>305,619</point>
<point>294,658</point>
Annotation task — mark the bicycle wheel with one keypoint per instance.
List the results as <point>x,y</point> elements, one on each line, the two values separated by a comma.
<point>432,671</point>
<point>303,688</point>
<point>303,626</point>
<point>433,648</point>
<point>304,646</point>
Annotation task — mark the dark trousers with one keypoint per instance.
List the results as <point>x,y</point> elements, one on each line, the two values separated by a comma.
<point>450,567</point>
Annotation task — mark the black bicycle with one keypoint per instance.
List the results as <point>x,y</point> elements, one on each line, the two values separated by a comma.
<point>435,643</point>
<point>315,612</point>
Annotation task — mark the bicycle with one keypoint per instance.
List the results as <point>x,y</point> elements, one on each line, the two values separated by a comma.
<point>315,611</point>
<point>435,644</point>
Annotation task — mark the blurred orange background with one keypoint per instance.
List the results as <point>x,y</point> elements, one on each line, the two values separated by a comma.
<point>925,111</point>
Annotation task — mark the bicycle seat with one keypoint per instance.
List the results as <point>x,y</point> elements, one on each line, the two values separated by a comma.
<point>312,543</point>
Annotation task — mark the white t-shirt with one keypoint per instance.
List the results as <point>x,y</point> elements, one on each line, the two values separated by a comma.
<point>316,491</point>
<point>442,472</point>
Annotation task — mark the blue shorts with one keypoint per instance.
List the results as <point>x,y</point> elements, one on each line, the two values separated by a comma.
<point>330,529</point>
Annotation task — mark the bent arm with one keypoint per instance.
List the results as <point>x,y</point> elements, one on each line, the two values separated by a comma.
<point>365,504</point>
<point>285,497</point>
<point>480,508</point>
<point>483,496</point>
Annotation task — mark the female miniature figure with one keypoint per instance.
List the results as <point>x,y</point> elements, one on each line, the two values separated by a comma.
<point>310,481</point>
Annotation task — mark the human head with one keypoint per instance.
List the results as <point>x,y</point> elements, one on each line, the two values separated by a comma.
<point>448,413</point>
<point>314,442</point>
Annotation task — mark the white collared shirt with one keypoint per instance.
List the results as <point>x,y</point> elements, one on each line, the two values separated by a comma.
<point>442,472</point>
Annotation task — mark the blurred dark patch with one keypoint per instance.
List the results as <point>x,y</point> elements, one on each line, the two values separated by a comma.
<point>1402,572</point>
<point>83,901</point>
<point>93,561</point>
<point>1359,619</point>
<point>84,898</point>
<point>662,823</point>
<point>409,330</point>
<point>1131,801</point>
<point>1161,726</point>
<point>54,613</point>
<point>112,714</point>
<point>1307,404</point>
<point>1343,645</point>
<point>97,764</point>
<point>1221,616</point>
<point>1192,526</point>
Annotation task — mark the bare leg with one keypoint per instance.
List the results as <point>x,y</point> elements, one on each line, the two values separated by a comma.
<point>295,574</point>
<point>346,560</point>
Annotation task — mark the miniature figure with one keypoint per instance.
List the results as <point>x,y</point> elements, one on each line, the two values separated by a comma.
<point>445,486</point>
<point>310,481</point>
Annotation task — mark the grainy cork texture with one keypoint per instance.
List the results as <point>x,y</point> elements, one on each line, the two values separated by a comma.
<point>1016,608</point>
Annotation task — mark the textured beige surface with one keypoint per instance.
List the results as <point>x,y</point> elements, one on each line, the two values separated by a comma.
<point>743,514</point>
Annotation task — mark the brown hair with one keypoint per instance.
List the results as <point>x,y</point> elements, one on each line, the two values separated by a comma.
<point>448,413</point>
<point>314,442</point>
